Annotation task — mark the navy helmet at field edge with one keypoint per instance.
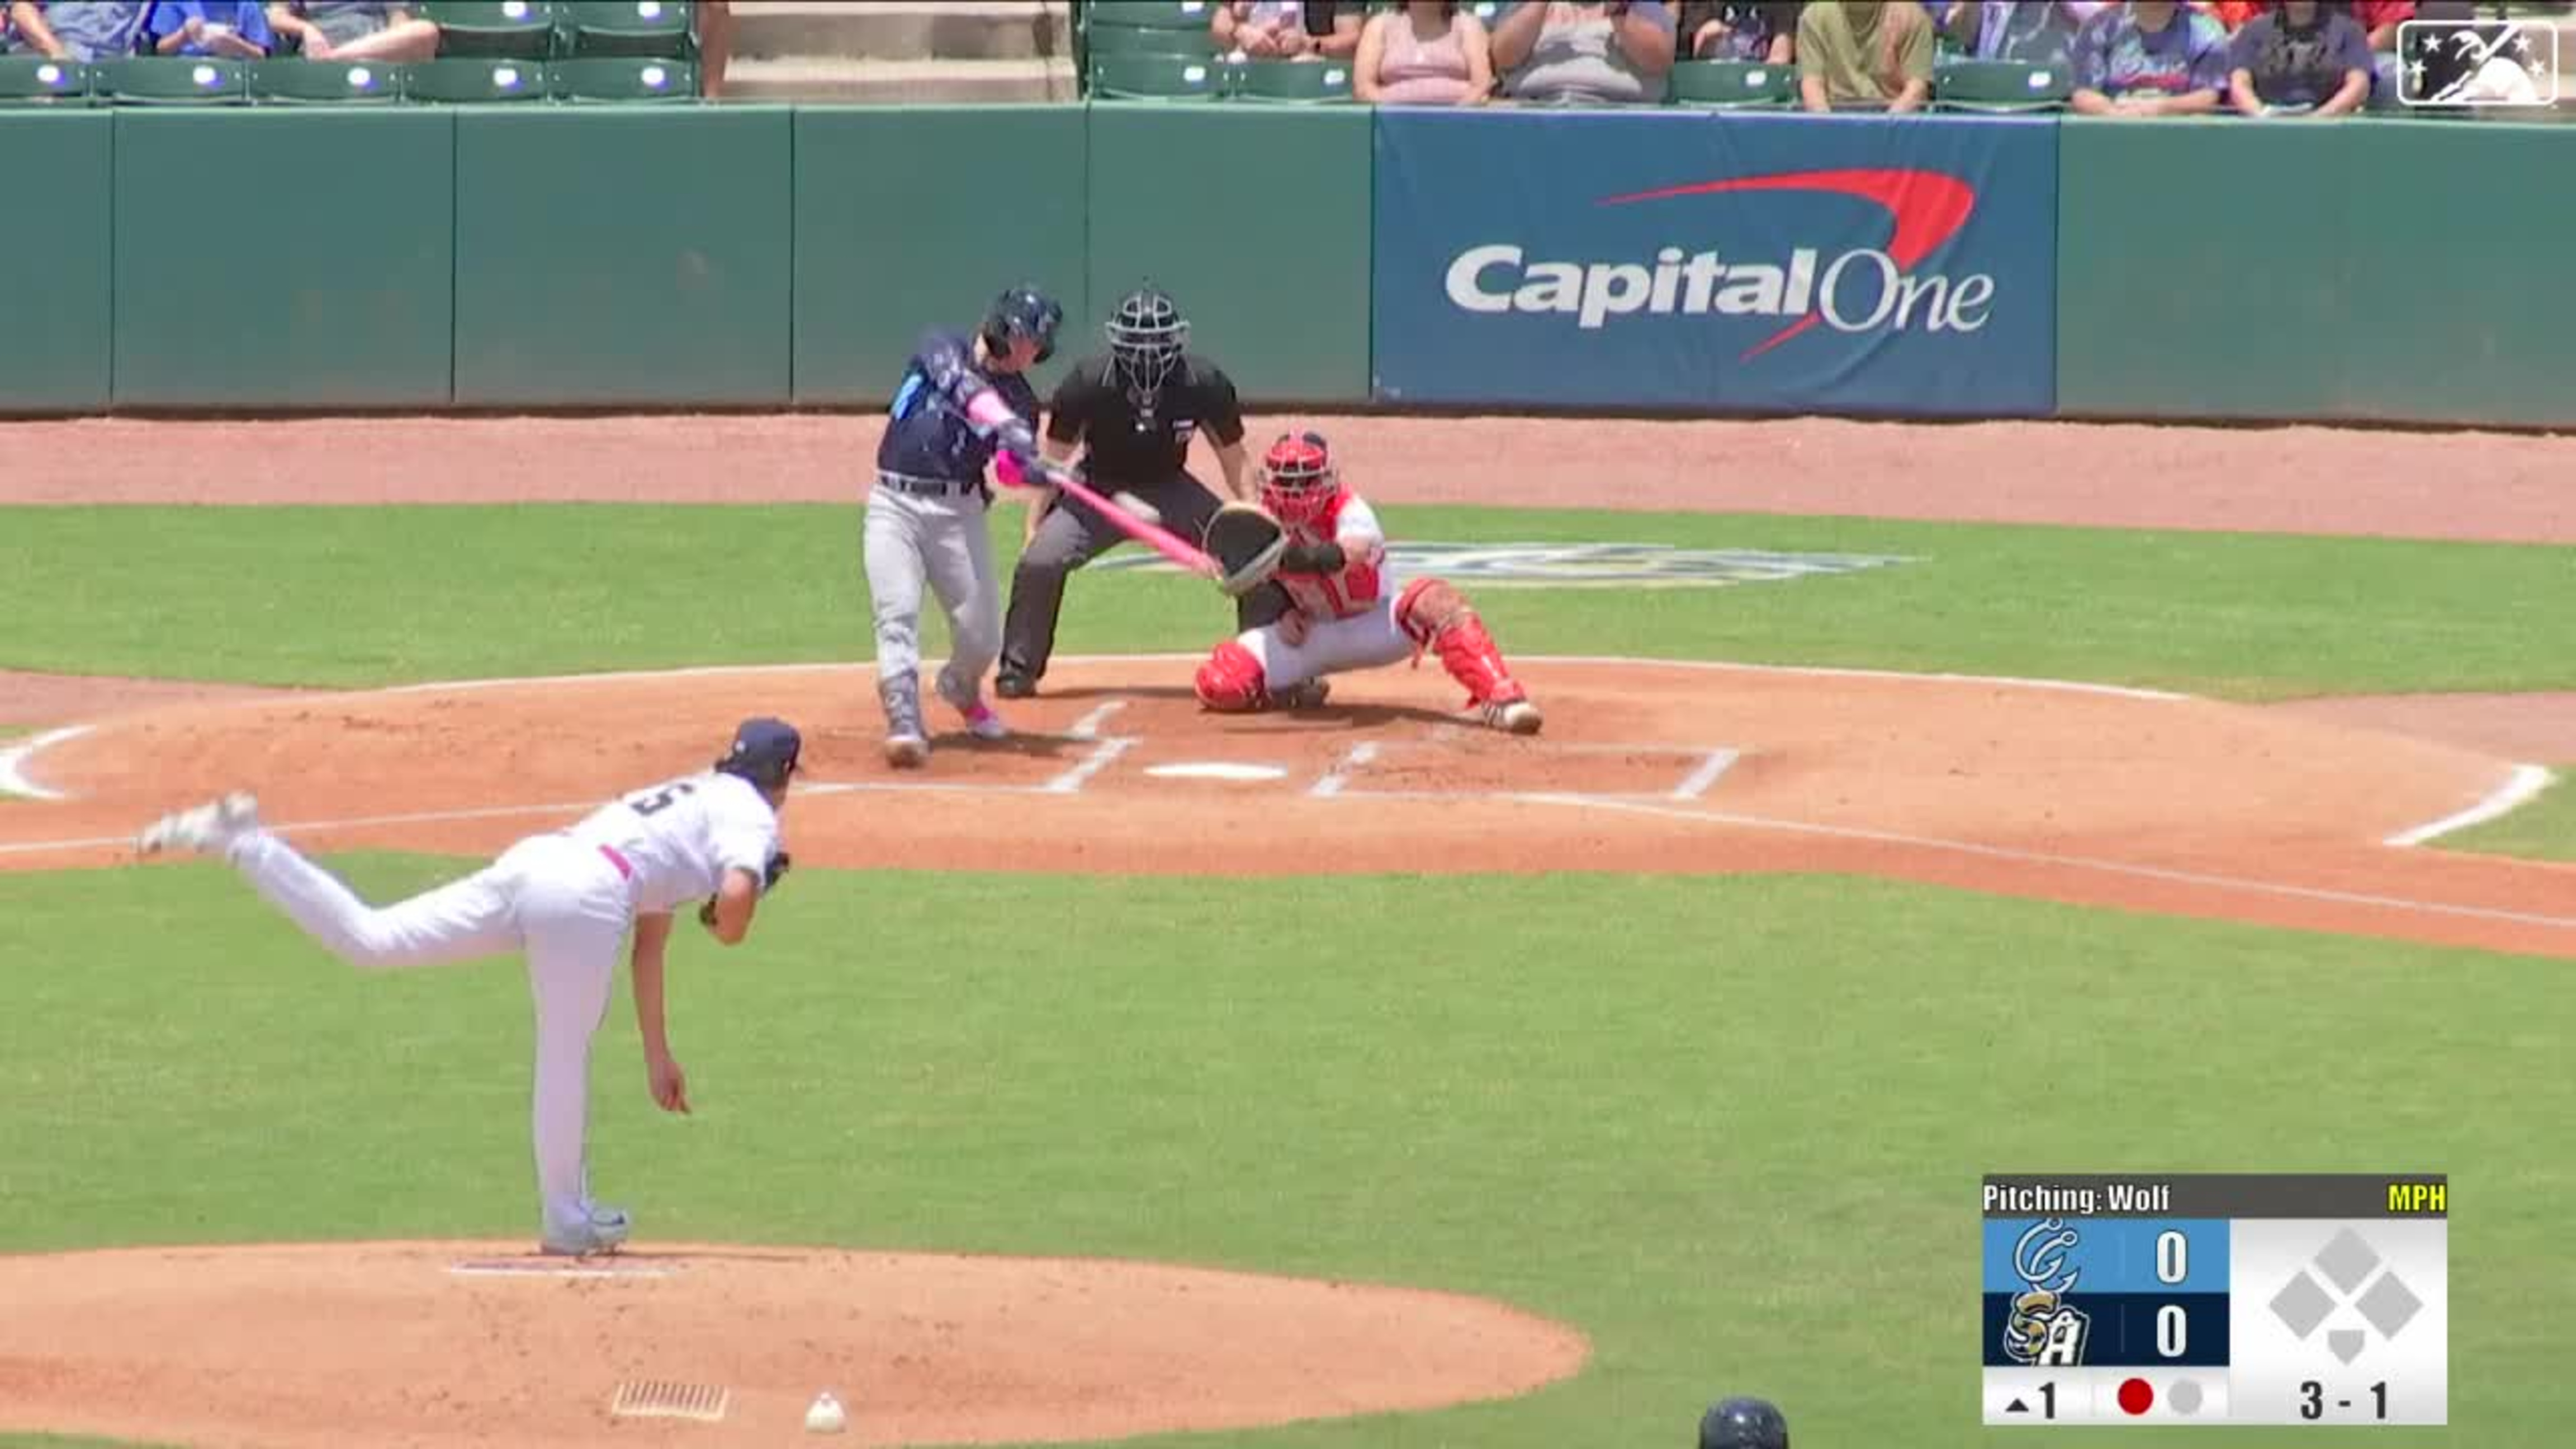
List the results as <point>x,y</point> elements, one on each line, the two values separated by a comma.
<point>1023,311</point>
<point>1744,1423</point>
<point>1146,337</point>
<point>765,752</point>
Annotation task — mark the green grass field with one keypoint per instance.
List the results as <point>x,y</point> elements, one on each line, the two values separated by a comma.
<point>1732,1127</point>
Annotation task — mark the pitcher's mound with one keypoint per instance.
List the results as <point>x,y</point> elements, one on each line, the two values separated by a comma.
<point>490,1345</point>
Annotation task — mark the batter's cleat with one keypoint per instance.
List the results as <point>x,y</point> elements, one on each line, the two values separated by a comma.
<point>604,1232</point>
<point>1305,694</point>
<point>1512,716</point>
<point>907,752</point>
<point>1015,686</point>
<point>981,722</point>
<point>205,830</point>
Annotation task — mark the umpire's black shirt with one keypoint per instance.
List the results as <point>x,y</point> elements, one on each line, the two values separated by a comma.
<point>1129,450</point>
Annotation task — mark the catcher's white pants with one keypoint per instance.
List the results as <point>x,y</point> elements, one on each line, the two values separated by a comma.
<point>1367,640</point>
<point>561,901</point>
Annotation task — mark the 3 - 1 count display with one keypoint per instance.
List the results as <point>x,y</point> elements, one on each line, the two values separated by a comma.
<point>2215,1299</point>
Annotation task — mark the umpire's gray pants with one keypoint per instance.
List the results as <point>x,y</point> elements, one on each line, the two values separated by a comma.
<point>908,537</point>
<point>1073,534</point>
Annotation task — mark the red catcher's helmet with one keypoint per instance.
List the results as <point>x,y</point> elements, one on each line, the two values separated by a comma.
<point>1298,480</point>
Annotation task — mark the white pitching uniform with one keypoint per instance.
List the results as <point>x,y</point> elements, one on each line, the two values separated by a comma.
<point>567,899</point>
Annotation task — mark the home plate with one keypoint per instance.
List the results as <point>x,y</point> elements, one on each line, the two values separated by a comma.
<point>1216,770</point>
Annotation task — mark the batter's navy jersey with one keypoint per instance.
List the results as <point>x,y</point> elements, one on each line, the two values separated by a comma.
<point>928,435</point>
<point>1143,448</point>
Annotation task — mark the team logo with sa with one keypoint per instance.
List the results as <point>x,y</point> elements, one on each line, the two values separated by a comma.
<point>1588,565</point>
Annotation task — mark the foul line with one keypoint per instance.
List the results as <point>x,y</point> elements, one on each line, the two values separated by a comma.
<point>13,775</point>
<point>1340,775</point>
<point>2036,857</point>
<point>2517,790</point>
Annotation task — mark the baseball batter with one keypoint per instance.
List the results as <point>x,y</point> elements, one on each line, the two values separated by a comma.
<point>566,899</point>
<point>958,400</point>
<point>1132,412</point>
<point>1333,612</point>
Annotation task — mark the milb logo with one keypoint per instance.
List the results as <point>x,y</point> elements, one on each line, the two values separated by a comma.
<point>2480,63</point>
<point>1863,289</point>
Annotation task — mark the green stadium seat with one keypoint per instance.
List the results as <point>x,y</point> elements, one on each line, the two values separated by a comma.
<point>1995,87</point>
<point>1156,78</point>
<point>516,29</point>
<point>1292,82</point>
<point>172,80</point>
<point>660,28</point>
<point>1729,85</point>
<point>32,80</point>
<point>325,82</point>
<point>469,80</point>
<point>1197,15</point>
<point>624,79</point>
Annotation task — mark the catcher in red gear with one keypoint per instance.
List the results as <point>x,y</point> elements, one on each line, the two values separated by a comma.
<point>1333,613</point>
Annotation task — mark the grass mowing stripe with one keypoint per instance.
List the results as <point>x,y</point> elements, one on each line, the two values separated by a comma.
<point>342,596</point>
<point>1731,1127</point>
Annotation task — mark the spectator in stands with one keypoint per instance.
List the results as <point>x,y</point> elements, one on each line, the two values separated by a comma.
<point>2150,58</point>
<point>2303,58</point>
<point>1430,53</point>
<point>82,30</point>
<point>1865,55</point>
<point>226,29</point>
<point>1287,29</point>
<point>2040,33</point>
<point>715,46</point>
<point>354,29</point>
<point>1555,52</point>
<point>1733,31</point>
<point>2379,20</point>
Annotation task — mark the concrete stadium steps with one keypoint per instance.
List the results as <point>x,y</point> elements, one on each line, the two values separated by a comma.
<point>901,82</point>
<point>899,52</point>
<point>903,29</point>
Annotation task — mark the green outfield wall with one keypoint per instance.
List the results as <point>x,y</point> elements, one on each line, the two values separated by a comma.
<point>305,259</point>
<point>2367,270</point>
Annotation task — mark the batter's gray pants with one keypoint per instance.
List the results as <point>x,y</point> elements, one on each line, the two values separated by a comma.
<point>1071,535</point>
<point>910,536</point>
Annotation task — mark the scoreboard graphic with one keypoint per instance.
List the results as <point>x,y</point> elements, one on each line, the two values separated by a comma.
<point>2216,1299</point>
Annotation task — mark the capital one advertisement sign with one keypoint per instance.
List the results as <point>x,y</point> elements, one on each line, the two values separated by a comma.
<point>1685,261</point>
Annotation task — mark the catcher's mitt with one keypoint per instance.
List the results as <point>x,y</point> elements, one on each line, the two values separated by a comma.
<point>1246,543</point>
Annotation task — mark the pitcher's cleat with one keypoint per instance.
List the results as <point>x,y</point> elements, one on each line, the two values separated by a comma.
<point>604,1232</point>
<point>205,830</point>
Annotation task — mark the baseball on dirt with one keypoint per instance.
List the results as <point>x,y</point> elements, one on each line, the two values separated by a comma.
<point>1138,506</point>
<point>825,1417</point>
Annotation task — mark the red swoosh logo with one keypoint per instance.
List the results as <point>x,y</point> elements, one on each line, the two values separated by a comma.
<point>1928,208</point>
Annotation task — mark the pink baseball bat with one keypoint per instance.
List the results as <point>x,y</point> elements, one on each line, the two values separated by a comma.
<point>1153,535</point>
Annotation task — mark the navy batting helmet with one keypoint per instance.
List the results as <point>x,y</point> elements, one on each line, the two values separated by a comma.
<point>1744,1423</point>
<point>1023,311</point>
<point>765,752</point>
<point>1146,336</point>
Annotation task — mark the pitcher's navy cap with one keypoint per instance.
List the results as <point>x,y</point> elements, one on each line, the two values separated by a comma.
<point>764,751</point>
